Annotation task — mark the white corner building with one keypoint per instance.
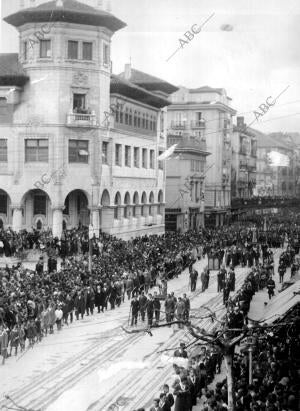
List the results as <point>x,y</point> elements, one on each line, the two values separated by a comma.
<point>78,145</point>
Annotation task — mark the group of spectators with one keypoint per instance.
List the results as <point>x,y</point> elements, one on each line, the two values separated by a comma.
<point>33,301</point>
<point>276,364</point>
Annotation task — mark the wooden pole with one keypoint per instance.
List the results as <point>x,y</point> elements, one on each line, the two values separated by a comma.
<point>228,364</point>
<point>250,365</point>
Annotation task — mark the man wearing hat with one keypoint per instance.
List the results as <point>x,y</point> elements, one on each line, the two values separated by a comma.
<point>181,352</point>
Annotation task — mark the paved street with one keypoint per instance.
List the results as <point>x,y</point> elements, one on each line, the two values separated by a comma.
<point>92,363</point>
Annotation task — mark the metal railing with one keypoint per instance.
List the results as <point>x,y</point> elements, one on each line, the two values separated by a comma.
<point>198,123</point>
<point>79,118</point>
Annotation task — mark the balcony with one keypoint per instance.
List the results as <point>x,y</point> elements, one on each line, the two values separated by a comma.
<point>178,125</point>
<point>198,124</point>
<point>247,164</point>
<point>81,119</point>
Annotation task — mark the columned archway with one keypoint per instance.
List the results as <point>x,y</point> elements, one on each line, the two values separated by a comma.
<point>136,211</point>
<point>117,204</point>
<point>76,207</point>
<point>5,204</point>
<point>107,212</point>
<point>35,211</point>
<point>127,206</point>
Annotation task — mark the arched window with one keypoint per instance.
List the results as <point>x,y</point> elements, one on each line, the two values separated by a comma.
<point>127,205</point>
<point>117,202</point>
<point>143,121</point>
<point>130,118</point>
<point>139,120</point>
<point>105,199</point>
<point>144,201</point>
<point>135,203</point>
<point>126,116</point>
<point>151,201</point>
<point>39,225</point>
<point>117,114</point>
<point>151,123</point>
<point>283,186</point>
<point>147,121</point>
<point>154,125</point>
<point>121,115</point>
<point>135,119</point>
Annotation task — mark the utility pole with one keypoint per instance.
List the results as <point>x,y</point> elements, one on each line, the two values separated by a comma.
<point>91,233</point>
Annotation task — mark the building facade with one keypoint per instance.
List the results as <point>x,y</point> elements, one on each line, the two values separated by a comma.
<point>277,181</point>
<point>244,155</point>
<point>206,116</point>
<point>78,144</point>
<point>185,185</point>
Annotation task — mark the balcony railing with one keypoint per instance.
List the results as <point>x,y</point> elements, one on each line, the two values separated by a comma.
<point>80,119</point>
<point>198,124</point>
<point>178,125</point>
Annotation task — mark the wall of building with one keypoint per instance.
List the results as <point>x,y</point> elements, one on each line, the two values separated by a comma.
<point>45,111</point>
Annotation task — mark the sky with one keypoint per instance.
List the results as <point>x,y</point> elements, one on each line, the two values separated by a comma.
<point>258,57</point>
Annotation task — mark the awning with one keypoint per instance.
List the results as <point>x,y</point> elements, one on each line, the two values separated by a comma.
<point>281,304</point>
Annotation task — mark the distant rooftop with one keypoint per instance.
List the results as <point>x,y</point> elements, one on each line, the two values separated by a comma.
<point>128,89</point>
<point>150,82</point>
<point>206,89</point>
<point>71,11</point>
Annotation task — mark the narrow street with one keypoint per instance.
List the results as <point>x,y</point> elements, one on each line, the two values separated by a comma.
<point>93,364</point>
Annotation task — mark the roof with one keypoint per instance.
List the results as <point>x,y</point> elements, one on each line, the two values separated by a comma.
<point>11,71</point>
<point>128,89</point>
<point>150,82</point>
<point>206,89</point>
<point>72,11</point>
<point>281,304</point>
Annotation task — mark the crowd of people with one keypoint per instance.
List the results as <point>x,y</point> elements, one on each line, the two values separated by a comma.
<point>276,364</point>
<point>32,302</point>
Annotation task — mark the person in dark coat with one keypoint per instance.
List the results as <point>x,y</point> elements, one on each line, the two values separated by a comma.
<point>90,301</point>
<point>169,308</point>
<point>226,292</point>
<point>156,306</point>
<point>183,401</point>
<point>98,297</point>
<point>163,402</point>
<point>39,268</point>
<point>143,304</point>
<point>232,280</point>
<point>194,385</point>
<point>193,278</point>
<point>135,305</point>
<point>79,306</point>
<point>169,396</point>
<point>150,310</point>
<point>221,278</point>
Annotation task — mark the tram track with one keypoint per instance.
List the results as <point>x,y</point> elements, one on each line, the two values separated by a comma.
<point>43,390</point>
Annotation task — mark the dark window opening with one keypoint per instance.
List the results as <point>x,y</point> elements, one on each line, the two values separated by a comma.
<point>87,51</point>
<point>73,50</point>
<point>45,48</point>
<point>39,204</point>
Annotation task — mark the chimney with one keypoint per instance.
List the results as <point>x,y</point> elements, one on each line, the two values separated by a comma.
<point>127,71</point>
<point>240,121</point>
